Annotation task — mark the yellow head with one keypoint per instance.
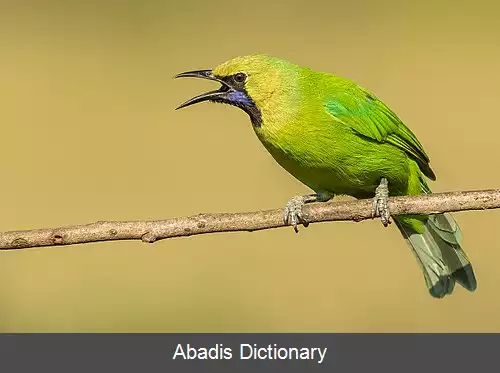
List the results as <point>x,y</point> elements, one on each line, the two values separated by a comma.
<point>255,83</point>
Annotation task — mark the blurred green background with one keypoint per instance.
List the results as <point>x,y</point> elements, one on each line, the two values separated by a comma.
<point>89,132</point>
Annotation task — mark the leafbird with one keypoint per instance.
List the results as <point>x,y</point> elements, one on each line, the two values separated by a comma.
<point>338,138</point>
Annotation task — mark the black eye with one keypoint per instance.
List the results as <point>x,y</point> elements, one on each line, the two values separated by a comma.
<point>240,77</point>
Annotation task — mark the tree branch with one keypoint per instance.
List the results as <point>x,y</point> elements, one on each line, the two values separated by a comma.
<point>151,231</point>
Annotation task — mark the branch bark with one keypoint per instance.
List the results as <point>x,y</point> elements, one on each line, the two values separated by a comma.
<point>151,231</point>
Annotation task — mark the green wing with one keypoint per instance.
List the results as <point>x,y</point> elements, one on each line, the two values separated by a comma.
<point>371,118</point>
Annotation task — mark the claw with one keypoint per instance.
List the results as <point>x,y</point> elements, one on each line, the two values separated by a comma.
<point>380,205</point>
<point>293,214</point>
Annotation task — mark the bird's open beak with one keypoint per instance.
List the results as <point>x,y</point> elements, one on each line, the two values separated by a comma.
<point>217,95</point>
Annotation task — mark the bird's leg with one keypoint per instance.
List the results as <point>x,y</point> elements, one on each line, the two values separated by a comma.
<point>380,204</point>
<point>292,213</point>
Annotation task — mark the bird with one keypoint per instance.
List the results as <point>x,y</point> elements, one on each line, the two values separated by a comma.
<point>339,138</point>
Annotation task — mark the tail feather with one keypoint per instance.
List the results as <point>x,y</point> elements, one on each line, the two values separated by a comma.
<point>447,227</point>
<point>438,250</point>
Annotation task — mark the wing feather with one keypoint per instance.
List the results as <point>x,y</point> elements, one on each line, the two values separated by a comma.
<point>369,117</point>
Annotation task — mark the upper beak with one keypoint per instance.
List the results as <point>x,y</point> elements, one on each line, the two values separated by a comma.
<point>209,96</point>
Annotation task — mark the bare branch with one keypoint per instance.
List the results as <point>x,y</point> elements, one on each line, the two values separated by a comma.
<point>151,231</point>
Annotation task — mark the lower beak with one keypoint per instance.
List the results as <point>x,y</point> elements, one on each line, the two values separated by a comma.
<point>216,95</point>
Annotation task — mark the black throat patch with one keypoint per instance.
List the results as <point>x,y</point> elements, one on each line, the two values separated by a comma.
<point>242,100</point>
<point>254,114</point>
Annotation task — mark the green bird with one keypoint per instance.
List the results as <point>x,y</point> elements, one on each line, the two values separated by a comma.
<point>340,139</point>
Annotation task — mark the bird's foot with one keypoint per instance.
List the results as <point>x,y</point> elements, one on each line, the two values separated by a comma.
<point>292,213</point>
<point>380,205</point>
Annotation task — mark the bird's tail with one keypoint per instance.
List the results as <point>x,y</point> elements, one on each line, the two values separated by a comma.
<point>436,241</point>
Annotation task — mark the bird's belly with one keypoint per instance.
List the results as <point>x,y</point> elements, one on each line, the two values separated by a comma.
<point>355,169</point>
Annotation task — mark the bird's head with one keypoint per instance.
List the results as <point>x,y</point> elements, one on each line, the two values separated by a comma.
<point>251,83</point>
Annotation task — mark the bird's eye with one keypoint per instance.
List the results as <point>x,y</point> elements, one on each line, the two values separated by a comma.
<point>240,77</point>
